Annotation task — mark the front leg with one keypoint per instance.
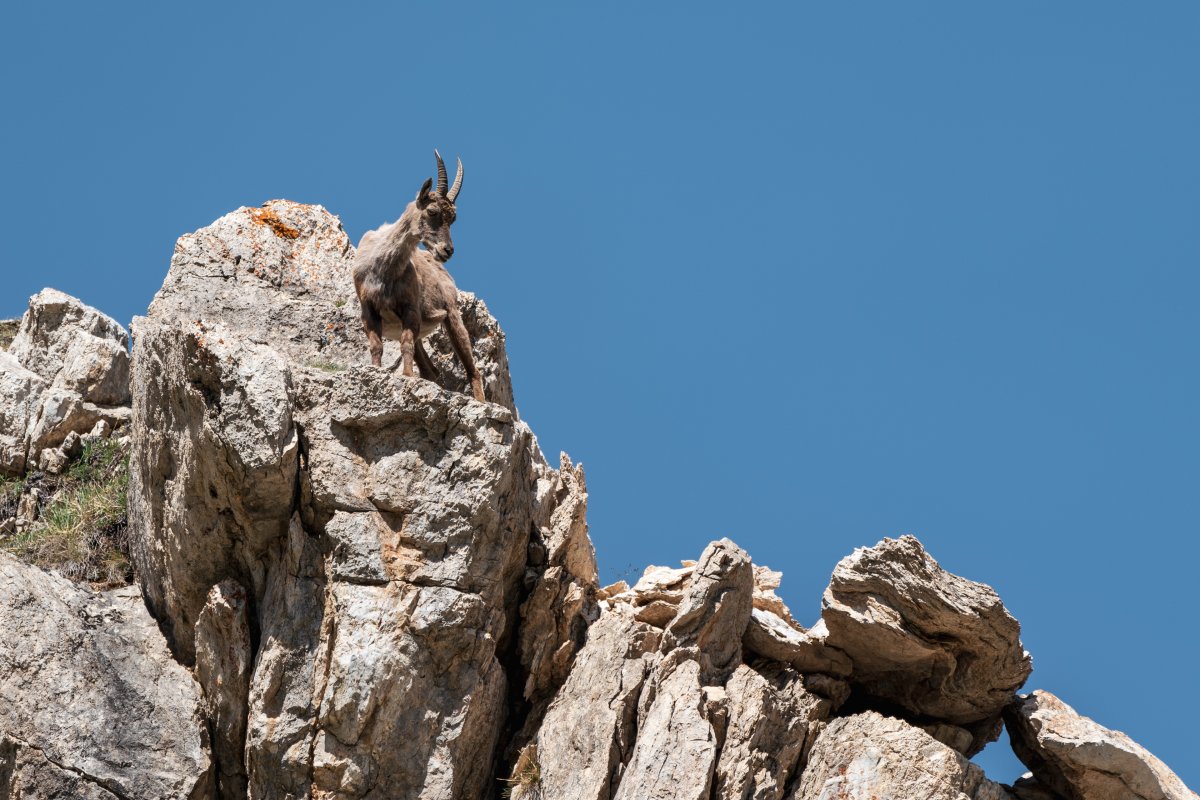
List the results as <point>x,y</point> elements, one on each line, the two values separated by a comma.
<point>373,325</point>
<point>410,324</point>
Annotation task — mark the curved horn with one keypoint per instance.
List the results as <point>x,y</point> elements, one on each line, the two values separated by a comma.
<point>442,180</point>
<point>457,184</point>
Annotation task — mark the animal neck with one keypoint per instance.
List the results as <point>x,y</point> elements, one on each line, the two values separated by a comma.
<point>404,236</point>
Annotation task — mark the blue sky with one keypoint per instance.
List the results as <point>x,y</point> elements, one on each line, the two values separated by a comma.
<point>805,275</point>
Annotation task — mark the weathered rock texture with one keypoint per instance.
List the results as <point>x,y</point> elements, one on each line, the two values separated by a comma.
<point>383,590</point>
<point>1082,760</point>
<point>381,526</point>
<point>938,645</point>
<point>869,757</point>
<point>66,370</point>
<point>92,703</point>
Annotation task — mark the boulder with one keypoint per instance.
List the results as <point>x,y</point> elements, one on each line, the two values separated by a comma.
<point>90,691</point>
<point>75,347</point>
<point>1082,760</point>
<point>936,644</point>
<point>869,756</point>
<point>66,371</point>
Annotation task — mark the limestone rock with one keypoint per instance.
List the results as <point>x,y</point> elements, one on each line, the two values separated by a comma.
<point>89,690</point>
<point>774,637</point>
<point>562,602</point>
<point>676,749</point>
<point>20,393</point>
<point>715,610</point>
<point>75,347</point>
<point>773,719</point>
<point>66,370</point>
<point>380,525</point>
<point>223,652</point>
<point>868,756</point>
<point>588,733</point>
<point>1079,759</point>
<point>935,643</point>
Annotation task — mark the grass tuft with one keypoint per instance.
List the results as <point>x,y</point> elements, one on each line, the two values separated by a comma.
<point>82,529</point>
<point>526,780</point>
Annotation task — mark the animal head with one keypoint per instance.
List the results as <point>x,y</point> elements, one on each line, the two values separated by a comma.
<point>436,211</point>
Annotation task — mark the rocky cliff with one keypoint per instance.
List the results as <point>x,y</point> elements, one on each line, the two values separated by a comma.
<point>356,585</point>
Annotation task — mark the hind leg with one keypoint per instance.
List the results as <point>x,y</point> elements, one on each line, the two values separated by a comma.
<point>461,341</point>
<point>424,362</point>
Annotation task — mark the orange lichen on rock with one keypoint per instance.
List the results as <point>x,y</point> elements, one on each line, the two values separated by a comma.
<point>267,216</point>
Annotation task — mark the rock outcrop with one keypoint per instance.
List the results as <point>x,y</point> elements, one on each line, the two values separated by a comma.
<point>938,645</point>
<point>1081,760</point>
<point>379,526</point>
<point>361,586</point>
<point>92,705</point>
<point>66,370</point>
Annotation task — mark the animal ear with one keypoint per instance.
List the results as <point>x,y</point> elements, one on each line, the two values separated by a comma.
<point>423,195</point>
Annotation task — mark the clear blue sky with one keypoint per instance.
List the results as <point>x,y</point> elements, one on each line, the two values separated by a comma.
<point>805,274</point>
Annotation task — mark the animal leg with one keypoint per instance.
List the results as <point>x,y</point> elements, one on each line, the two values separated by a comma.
<point>424,362</point>
<point>461,341</point>
<point>410,330</point>
<point>373,325</point>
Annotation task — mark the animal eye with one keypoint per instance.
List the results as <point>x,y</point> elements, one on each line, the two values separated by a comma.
<point>435,218</point>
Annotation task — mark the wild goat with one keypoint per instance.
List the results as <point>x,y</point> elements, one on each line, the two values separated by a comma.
<point>405,292</point>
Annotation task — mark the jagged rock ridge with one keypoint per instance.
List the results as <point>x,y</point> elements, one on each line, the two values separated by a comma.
<point>375,587</point>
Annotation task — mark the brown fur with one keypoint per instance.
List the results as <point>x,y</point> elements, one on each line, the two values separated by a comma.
<point>406,292</point>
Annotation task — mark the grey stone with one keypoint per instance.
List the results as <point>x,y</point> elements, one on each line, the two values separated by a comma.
<point>89,690</point>
<point>935,643</point>
<point>1079,759</point>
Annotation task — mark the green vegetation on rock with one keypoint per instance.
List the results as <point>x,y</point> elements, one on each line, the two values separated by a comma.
<point>8,330</point>
<point>81,526</point>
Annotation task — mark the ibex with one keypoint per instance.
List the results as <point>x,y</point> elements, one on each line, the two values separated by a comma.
<point>405,292</point>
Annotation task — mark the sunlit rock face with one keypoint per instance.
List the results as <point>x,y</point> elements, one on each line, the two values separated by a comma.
<point>89,691</point>
<point>379,526</point>
<point>359,585</point>
<point>66,370</point>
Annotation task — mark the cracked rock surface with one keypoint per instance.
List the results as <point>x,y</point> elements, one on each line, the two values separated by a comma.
<point>380,526</point>
<point>93,704</point>
<point>66,370</point>
<point>1082,760</point>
